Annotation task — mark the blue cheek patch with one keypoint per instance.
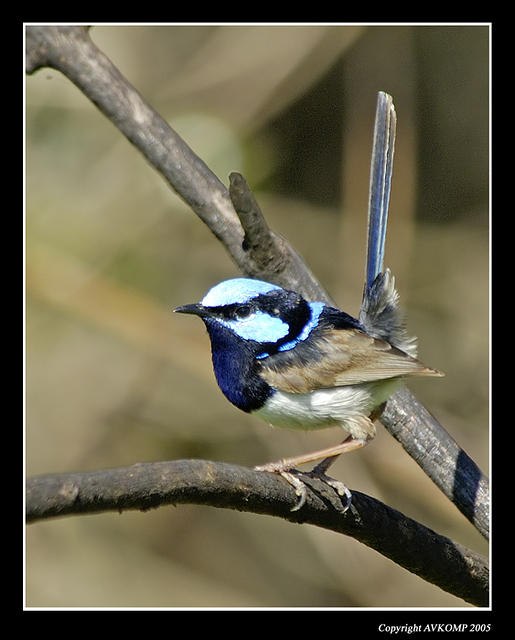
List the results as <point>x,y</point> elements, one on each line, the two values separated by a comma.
<point>260,327</point>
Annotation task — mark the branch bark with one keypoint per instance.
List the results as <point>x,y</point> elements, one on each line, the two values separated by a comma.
<point>433,557</point>
<point>235,219</point>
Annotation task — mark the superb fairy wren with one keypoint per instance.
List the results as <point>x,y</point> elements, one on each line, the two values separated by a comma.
<point>305,365</point>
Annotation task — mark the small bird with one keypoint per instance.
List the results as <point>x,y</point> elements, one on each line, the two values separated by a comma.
<point>306,365</point>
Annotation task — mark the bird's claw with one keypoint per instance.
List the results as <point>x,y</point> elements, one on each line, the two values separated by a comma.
<point>300,486</point>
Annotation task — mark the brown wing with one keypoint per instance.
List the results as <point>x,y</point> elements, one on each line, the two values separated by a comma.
<point>339,358</point>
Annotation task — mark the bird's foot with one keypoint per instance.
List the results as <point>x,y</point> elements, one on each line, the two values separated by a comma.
<point>299,481</point>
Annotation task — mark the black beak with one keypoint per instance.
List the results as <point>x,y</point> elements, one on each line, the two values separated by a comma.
<point>193,309</point>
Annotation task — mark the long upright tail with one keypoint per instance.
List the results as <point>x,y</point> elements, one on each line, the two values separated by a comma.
<point>380,313</point>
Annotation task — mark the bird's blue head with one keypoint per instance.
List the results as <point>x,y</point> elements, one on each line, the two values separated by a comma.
<point>248,321</point>
<point>270,318</point>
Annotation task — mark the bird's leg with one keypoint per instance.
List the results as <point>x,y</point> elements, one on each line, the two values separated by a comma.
<point>368,430</point>
<point>285,466</point>
<point>328,454</point>
<point>320,470</point>
<point>364,432</point>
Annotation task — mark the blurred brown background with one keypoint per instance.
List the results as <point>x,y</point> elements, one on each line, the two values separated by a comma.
<point>112,378</point>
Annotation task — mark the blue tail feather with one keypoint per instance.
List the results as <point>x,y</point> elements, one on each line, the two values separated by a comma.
<point>380,185</point>
<point>380,313</point>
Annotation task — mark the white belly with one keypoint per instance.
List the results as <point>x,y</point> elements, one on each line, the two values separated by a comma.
<point>325,407</point>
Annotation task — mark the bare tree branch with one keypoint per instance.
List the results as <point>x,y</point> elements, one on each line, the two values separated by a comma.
<point>236,220</point>
<point>433,557</point>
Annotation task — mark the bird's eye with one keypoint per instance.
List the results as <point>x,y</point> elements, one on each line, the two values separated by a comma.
<point>243,311</point>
